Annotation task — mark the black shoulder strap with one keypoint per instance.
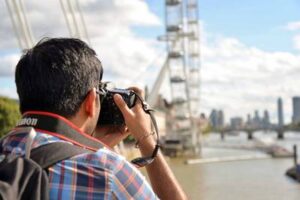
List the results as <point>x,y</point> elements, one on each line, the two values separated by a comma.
<point>49,154</point>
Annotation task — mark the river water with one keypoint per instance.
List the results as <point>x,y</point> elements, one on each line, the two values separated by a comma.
<point>260,179</point>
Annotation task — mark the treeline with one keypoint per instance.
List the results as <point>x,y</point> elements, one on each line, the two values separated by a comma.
<point>9,114</point>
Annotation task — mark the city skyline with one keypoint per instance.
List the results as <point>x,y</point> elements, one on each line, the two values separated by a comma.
<point>259,117</point>
<point>250,50</point>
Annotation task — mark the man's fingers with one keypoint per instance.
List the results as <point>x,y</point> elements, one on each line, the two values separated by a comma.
<point>138,90</point>
<point>122,105</point>
<point>141,93</point>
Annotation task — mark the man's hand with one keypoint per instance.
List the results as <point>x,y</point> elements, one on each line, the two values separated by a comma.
<point>138,122</point>
<point>111,135</point>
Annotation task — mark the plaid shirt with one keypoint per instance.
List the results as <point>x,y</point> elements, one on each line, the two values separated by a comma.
<point>100,175</point>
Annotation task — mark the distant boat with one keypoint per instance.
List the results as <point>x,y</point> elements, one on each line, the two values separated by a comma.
<point>294,172</point>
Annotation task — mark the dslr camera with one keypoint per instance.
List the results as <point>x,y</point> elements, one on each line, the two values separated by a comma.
<point>110,114</point>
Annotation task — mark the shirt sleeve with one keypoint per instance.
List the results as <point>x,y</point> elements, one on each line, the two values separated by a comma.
<point>127,182</point>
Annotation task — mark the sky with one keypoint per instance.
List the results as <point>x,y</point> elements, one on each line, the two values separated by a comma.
<point>250,50</point>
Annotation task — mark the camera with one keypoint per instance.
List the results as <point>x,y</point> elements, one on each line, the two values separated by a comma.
<point>110,114</point>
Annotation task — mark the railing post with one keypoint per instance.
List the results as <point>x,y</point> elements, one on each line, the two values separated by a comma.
<point>280,134</point>
<point>250,135</point>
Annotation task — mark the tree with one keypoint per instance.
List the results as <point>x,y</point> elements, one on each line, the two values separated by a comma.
<point>9,114</point>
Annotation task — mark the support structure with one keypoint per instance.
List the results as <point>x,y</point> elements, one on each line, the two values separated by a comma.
<point>193,48</point>
<point>182,38</point>
<point>20,23</point>
<point>193,61</point>
<point>75,20</point>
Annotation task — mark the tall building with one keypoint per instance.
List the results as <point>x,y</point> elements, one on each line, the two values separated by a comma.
<point>249,120</point>
<point>296,110</point>
<point>217,118</point>
<point>280,112</point>
<point>220,119</point>
<point>266,120</point>
<point>236,123</point>
<point>214,118</point>
<point>256,120</point>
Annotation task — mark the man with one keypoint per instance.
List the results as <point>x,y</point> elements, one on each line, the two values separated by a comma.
<point>58,83</point>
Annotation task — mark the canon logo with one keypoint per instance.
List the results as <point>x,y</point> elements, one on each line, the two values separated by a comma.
<point>27,121</point>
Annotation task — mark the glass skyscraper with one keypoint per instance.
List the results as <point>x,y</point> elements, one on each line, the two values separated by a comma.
<point>280,112</point>
<point>296,110</point>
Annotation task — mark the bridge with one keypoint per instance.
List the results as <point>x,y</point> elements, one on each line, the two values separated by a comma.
<point>251,130</point>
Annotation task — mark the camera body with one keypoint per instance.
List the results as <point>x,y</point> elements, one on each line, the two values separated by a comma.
<point>110,114</point>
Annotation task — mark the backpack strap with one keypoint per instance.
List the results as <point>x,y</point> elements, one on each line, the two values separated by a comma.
<point>49,154</point>
<point>30,138</point>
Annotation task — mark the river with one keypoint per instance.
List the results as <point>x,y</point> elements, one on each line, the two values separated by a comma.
<point>260,179</point>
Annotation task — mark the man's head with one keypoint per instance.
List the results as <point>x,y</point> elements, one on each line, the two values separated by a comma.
<point>58,75</point>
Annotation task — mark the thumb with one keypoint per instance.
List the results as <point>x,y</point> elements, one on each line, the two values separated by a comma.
<point>122,106</point>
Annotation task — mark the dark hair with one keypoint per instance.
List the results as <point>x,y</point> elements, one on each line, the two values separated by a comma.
<point>56,75</point>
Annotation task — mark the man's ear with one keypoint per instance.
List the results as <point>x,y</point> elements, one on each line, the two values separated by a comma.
<point>91,102</point>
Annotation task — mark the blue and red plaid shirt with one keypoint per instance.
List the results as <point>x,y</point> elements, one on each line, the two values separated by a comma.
<point>100,175</point>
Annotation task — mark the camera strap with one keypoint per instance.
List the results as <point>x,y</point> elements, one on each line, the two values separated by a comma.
<point>144,161</point>
<point>60,127</point>
<point>150,111</point>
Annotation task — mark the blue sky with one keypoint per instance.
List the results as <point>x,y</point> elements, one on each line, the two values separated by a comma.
<point>255,23</point>
<point>246,47</point>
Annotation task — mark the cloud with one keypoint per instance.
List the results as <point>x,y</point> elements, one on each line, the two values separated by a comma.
<point>296,41</point>
<point>123,54</point>
<point>240,78</point>
<point>119,12</point>
<point>7,64</point>
<point>9,92</point>
<point>109,24</point>
<point>293,26</point>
